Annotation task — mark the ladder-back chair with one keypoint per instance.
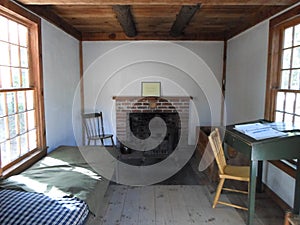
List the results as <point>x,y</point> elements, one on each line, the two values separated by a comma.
<point>93,123</point>
<point>239,173</point>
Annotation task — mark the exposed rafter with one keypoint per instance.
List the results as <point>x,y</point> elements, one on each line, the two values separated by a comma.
<point>156,2</point>
<point>183,18</point>
<point>155,19</point>
<point>125,18</point>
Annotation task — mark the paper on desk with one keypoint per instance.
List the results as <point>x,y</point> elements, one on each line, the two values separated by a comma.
<point>259,131</point>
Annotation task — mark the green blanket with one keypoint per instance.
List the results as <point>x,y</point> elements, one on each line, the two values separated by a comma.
<point>64,172</point>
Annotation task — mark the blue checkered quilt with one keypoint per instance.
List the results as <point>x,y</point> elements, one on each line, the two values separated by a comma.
<point>28,208</point>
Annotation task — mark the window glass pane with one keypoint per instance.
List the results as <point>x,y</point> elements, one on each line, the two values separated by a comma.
<point>280,101</point>
<point>288,37</point>
<point>24,144</point>
<point>297,109</point>
<point>279,117</point>
<point>31,120</point>
<point>12,126</point>
<point>23,34</point>
<point>285,79</point>
<point>23,123</point>
<point>4,30</point>
<point>2,127</point>
<point>32,140</point>
<point>24,57</point>
<point>297,35</point>
<point>5,154</point>
<point>286,59</point>
<point>13,32</point>
<point>29,100</point>
<point>14,55</point>
<point>21,101</point>
<point>295,80</point>
<point>11,103</point>
<point>2,105</point>
<point>297,119</point>
<point>14,149</point>
<point>25,78</point>
<point>4,56</point>
<point>15,77</point>
<point>289,102</point>
<point>5,77</point>
<point>296,58</point>
<point>288,118</point>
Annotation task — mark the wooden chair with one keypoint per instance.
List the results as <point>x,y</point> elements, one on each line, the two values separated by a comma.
<point>291,219</point>
<point>93,123</point>
<point>239,173</point>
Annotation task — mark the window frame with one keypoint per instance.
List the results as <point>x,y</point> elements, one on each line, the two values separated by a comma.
<point>276,35</point>
<point>33,23</point>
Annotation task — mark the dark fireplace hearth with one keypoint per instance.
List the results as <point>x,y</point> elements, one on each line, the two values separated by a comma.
<point>139,127</point>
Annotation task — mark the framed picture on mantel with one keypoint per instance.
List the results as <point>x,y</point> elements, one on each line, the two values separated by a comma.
<point>151,89</point>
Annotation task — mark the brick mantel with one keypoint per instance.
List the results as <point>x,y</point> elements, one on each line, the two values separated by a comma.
<point>136,104</point>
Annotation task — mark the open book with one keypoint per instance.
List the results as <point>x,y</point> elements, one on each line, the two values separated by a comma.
<point>259,131</point>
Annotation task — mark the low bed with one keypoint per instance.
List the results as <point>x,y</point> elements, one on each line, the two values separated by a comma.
<point>64,179</point>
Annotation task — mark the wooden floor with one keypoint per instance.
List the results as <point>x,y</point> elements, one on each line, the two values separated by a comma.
<point>184,199</point>
<point>164,205</point>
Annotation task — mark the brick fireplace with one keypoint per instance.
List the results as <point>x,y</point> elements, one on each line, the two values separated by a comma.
<point>126,106</point>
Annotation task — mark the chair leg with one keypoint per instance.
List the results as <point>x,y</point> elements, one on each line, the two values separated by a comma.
<point>112,141</point>
<point>288,215</point>
<point>101,141</point>
<point>218,192</point>
<point>89,141</point>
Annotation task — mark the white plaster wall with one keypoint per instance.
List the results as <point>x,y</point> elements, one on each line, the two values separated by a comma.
<point>246,75</point>
<point>183,68</point>
<point>279,182</point>
<point>61,77</point>
<point>245,94</point>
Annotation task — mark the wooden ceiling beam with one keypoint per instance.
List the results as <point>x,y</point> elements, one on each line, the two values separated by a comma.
<point>158,2</point>
<point>125,18</point>
<point>183,18</point>
<point>120,36</point>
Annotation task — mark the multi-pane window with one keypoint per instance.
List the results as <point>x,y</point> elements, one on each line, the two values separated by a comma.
<point>288,93</point>
<point>21,105</point>
<point>283,81</point>
<point>17,106</point>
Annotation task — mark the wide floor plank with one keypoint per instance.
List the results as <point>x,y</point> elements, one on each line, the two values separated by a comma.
<point>165,205</point>
<point>130,215</point>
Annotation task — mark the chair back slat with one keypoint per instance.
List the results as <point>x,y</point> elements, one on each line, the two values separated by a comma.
<point>93,125</point>
<point>216,145</point>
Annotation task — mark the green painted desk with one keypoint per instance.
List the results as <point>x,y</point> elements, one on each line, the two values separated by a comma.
<point>285,147</point>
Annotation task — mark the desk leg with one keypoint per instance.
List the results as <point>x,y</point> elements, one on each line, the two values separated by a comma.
<point>297,190</point>
<point>259,183</point>
<point>252,190</point>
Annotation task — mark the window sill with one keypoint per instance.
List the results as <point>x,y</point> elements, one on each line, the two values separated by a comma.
<point>24,164</point>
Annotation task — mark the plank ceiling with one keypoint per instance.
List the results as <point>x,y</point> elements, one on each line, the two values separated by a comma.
<point>156,19</point>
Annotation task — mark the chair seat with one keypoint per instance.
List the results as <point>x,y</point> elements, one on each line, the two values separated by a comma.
<point>236,172</point>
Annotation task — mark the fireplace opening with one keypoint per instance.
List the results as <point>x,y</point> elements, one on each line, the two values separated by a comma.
<point>139,126</point>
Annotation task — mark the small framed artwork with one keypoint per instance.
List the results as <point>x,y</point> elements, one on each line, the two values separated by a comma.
<point>151,89</point>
